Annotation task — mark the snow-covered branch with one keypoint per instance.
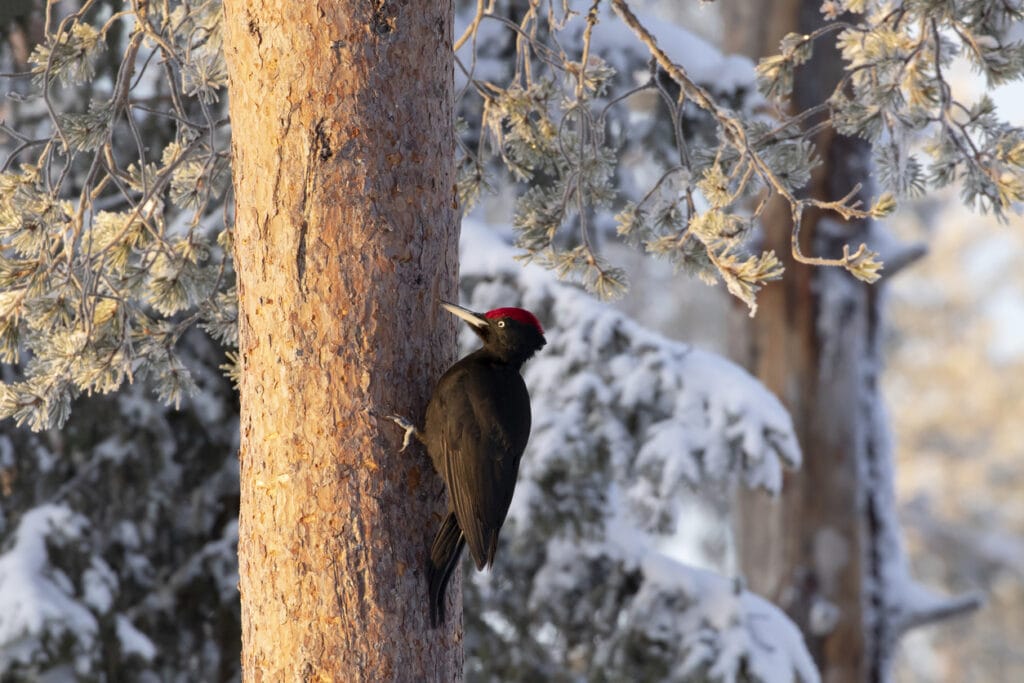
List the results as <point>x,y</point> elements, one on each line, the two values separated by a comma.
<point>627,424</point>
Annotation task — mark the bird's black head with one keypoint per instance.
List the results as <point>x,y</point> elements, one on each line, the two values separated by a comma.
<point>511,334</point>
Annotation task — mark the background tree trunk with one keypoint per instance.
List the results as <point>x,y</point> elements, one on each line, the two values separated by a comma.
<point>814,343</point>
<point>345,238</point>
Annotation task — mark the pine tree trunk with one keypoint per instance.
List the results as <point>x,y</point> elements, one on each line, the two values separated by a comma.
<point>345,239</point>
<point>813,343</point>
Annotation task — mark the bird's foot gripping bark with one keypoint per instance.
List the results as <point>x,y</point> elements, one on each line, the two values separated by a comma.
<point>410,430</point>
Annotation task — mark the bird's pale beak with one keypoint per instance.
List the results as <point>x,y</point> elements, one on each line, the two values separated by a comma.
<point>474,319</point>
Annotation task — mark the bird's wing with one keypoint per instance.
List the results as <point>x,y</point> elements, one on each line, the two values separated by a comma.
<point>480,445</point>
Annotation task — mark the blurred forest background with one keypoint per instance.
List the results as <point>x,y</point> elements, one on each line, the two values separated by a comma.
<point>955,362</point>
<point>955,354</point>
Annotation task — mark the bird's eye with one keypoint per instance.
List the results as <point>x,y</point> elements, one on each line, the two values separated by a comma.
<point>501,323</point>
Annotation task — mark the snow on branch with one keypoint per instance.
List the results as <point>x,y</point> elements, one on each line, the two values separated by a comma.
<point>725,628</point>
<point>118,539</point>
<point>627,424</point>
<point>38,603</point>
<point>49,614</point>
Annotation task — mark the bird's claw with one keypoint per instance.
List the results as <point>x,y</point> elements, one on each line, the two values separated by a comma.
<point>409,427</point>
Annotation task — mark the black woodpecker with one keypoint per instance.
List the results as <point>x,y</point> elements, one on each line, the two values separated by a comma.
<point>478,423</point>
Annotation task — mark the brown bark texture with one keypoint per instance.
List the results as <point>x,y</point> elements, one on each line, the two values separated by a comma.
<point>345,238</point>
<point>805,550</point>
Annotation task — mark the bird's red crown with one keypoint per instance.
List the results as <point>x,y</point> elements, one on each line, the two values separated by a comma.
<point>518,314</point>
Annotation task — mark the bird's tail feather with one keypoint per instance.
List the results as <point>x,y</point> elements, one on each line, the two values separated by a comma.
<point>444,557</point>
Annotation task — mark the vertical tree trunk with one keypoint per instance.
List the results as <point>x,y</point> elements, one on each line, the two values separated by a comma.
<point>813,344</point>
<point>345,238</point>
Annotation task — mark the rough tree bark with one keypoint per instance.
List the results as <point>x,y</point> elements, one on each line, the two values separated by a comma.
<point>345,238</point>
<point>804,550</point>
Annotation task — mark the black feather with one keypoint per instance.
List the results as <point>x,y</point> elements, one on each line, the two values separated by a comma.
<point>444,558</point>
